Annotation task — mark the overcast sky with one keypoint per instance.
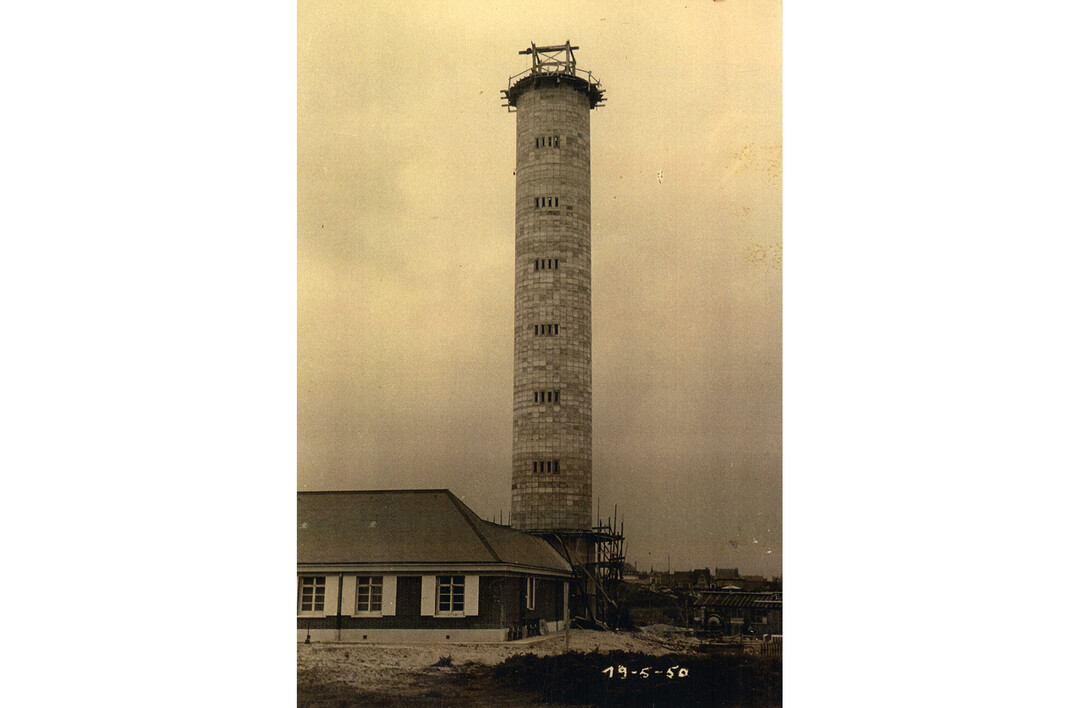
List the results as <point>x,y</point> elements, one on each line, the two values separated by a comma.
<point>406,251</point>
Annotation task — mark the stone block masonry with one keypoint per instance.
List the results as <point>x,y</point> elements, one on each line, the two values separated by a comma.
<point>552,310</point>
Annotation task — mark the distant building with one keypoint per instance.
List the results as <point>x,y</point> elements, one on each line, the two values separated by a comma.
<point>725,574</point>
<point>685,580</point>
<point>758,583</point>
<point>700,578</point>
<point>419,565</point>
<point>729,579</point>
<point>739,612</point>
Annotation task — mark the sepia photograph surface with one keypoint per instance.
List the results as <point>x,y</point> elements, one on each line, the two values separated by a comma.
<point>479,313</point>
<point>539,353</point>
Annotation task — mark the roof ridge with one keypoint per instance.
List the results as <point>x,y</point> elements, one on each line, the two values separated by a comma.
<point>467,513</point>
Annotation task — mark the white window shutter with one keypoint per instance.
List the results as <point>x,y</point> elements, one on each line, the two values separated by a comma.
<point>427,595</point>
<point>472,595</point>
<point>348,595</point>
<point>330,605</point>
<point>389,595</point>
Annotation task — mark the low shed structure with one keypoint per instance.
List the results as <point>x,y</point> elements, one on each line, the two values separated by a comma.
<point>419,565</point>
<point>739,612</point>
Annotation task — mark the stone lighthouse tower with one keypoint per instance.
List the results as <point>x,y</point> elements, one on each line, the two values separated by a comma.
<point>552,449</point>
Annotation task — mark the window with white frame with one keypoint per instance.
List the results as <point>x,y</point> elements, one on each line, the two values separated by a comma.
<point>530,593</point>
<point>369,593</point>
<point>312,593</point>
<point>450,595</point>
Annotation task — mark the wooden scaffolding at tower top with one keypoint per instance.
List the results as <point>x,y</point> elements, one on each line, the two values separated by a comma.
<point>556,59</point>
<point>557,64</point>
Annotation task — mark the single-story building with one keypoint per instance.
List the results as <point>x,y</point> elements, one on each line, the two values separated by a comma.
<point>419,565</point>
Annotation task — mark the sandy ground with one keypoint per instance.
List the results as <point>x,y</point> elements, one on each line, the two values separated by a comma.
<point>405,674</point>
<point>379,657</point>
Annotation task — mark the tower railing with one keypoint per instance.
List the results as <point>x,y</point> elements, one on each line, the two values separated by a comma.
<point>561,70</point>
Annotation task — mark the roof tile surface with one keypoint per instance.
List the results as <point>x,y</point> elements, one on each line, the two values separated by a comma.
<point>409,526</point>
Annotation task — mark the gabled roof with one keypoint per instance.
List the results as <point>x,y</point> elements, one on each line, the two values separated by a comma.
<point>429,526</point>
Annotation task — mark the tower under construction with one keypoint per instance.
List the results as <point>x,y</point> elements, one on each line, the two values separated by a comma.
<point>551,487</point>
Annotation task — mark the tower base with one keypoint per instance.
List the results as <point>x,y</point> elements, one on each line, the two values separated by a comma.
<point>597,559</point>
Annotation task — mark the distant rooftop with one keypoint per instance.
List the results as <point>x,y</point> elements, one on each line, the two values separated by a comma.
<point>727,598</point>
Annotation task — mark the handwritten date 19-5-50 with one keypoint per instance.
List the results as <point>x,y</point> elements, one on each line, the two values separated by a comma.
<point>648,672</point>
